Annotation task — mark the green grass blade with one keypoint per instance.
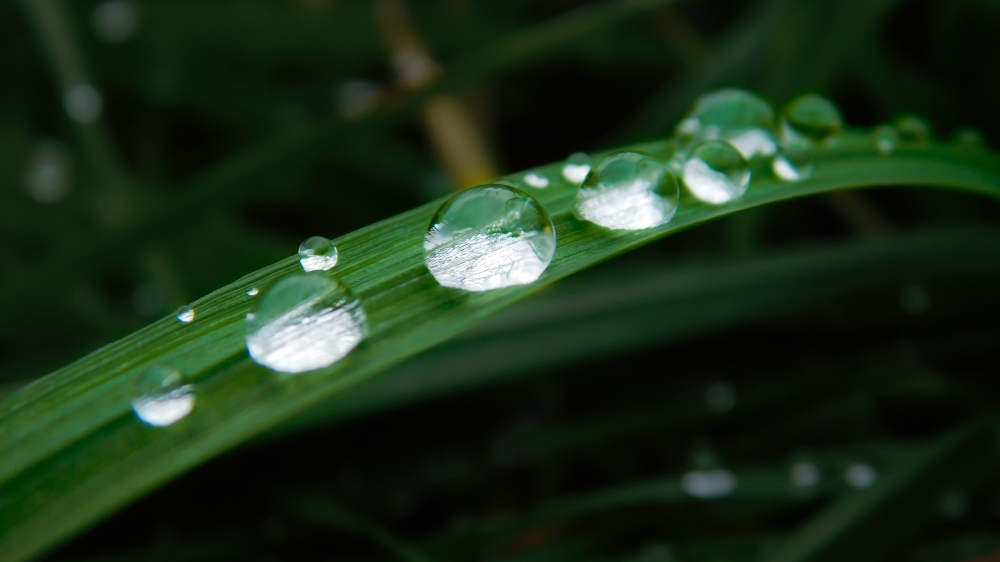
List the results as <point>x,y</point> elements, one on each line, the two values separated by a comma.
<point>73,452</point>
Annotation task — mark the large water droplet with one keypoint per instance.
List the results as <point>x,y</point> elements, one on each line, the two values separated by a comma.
<point>913,129</point>
<point>715,172</point>
<point>709,484</point>
<point>886,139</point>
<point>317,254</point>
<point>489,237</point>
<point>303,323</point>
<point>628,191</point>
<point>577,167</point>
<point>185,314</point>
<point>163,396</point>
<point>811,117</point>
<point>727,109</point>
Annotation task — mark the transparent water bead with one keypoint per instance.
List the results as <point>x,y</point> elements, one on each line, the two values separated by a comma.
<point>185,314</point>
<point>886,139</point>
<point>727,109</point>
<point>317,254</point>
<point>535,179</point>
<point>811,117</point>
<point>716,173</point>
<point>709,484</point>
<point>628,191</point>
<point>805,475</point>
<point>163,396</point>
<point>253,292</point>
<point>304,322</point>
<point>577,167</point>
<point>489,237</point>
<point>860,475</point>
<point>752,142</point>
<point>913,129</point>
<point>791,168</point>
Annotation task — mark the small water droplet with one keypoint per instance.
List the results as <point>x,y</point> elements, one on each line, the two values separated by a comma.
<point>969,137</point>
<point>805,475</point>
<point>716,173</point>
<point>303,323</point>
<point>914,299</point>
<point>789,168</point>
<point>47,178</point>
<point>727,109</point>
<point>163,396</point>
<point>860,475</point>
<point>913,129</point>
<point>709,484</point>
<point>628,191</point>
<point>577,167</point>
<point>720,397</point>
<point>534,179</point>
<point>115,21</point>
<point>811,117</point>
<point>489,237</point>
<point>886,139</point>
<point>317,254</point>
<point>185,314</point>
<point>752,142</point>
<point>83,103</point>
<point>253,292</point>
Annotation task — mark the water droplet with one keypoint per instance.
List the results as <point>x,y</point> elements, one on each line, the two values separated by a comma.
<point>303,323</point>
<point>253,292</point>
<point>914,299</point>
<point>752,142</point>
<point>628,191</point>
<point>83,103</point>
<point>811,117</point>
<point>577,167</point>
<point>716,173</point>
<point>185,314</point>
<point>789,168</point>
<point>805,475</point>
<point>727,109</point>
<point>860,475</point>
<point>886,139</point>
<point>489,237</point>
<point>317,254</point>
<point>709,484</point>
<point>720,397</point>
<point>47,178</point>
<point>968,137</point>
<point>913,129</point>
<point>163,396</point>
<point>115,21</point>
<point>535,179</point>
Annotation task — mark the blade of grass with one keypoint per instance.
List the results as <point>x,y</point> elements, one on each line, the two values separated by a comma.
<point>73,452</point>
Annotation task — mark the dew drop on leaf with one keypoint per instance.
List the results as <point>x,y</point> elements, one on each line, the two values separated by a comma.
<point>185,314</point>
<point>489,237</point>
<point>716,173</point>
<point>811,117</point>
<point>913,129</point>
<point>739,117</point>
<point>577,167</point>
<point>317,254</point>
<point>628,191</point>
<point>886,139</point>
<point>163,396</point>
<point>304,322</point>
<point>791,168</point>
<point>253,292</point>
<point>535,179</point>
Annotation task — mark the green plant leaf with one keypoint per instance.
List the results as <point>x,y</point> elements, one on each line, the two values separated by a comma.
<point>73,452</point>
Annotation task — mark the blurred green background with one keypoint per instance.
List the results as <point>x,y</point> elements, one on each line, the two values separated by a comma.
<point>826,355</point>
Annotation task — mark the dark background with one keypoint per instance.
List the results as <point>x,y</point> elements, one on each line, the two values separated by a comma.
<point>192,175</point>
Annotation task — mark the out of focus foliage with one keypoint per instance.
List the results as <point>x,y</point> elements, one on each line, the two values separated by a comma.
<point>854,334</point>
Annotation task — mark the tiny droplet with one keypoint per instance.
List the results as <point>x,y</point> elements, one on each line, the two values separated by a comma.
<point>716,173</point>
<point>535,179</point>
<point>886,139</point>
<point>913,129</point>
<point>812,117</point>
<point>303,323</point>
<point>163,396</point>
<point>317,254</point>
<point>47,178</point>
<point>628,191</point>
<point>253,292</point>
<point>577,167</point>
<point>185,314</point>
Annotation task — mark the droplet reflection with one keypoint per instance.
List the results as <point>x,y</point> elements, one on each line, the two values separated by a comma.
<point>317,254</point>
